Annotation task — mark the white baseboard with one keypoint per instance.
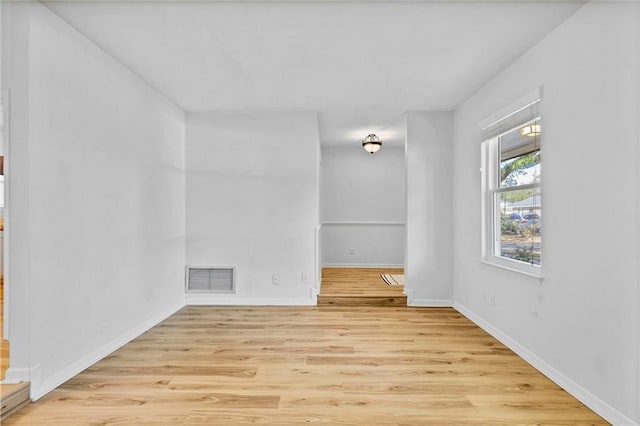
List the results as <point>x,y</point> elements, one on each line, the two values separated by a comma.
<point>215,299</point>
<point>362,265</point>
<point>426,303</point>
<point>583,395</point>
<point>409,293</point>
<point>431,303</point>
<point>52,382</point>
<point>16,375</point>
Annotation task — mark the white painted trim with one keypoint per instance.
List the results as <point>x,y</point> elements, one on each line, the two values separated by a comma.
<point>431,303</point>
<point>513,108</point>
<point>52,382</point>
<point>16,375</point>
<point>362,265</point>
<point>35,381</point>
<point>213,300</point>
<point>409,293</point>
<point>493,262</point>
<point>318,255</point>
<point>605,410</point>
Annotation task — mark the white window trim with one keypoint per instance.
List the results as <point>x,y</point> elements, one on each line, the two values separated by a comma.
<point>525,101</point>
<point>488,179</point>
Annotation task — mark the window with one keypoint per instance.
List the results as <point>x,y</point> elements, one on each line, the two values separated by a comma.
<point>512,208</point>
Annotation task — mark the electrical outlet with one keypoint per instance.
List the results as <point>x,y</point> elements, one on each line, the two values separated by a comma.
<point>352,251</point>
<point>275,279</point>
<point>492,300</point>
<point>304,278</point>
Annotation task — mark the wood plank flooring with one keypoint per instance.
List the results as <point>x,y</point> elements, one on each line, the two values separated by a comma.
<point>4,344</point>
<point>210,365</point>
<point>359,287</point>
<point>4,357</point>
<point>13,397</point>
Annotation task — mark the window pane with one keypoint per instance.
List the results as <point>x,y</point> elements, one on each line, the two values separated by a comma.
<point>519,230</point>
<point>520,156</point>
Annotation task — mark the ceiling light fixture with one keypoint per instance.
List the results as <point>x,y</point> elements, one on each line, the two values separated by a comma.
<point>371,143</point>
<point>530,130</point>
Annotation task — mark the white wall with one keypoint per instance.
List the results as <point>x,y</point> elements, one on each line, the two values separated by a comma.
<point>579,326</point>
<point>15,63</point>
<point>97,201</point>
<point>252,202</point>
<point>361,187</point>
<point>363,245</point>
<point>363,204</point>
<point>428,264</point>
<point>637,307</point>
<point>1,44</point>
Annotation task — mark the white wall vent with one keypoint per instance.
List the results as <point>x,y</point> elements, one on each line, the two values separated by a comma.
<point>202,279</point>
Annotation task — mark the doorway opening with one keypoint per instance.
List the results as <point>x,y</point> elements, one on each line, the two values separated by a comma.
<point>363,215</point>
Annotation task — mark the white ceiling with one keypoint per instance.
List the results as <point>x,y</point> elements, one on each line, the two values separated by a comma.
<point>361,65</point>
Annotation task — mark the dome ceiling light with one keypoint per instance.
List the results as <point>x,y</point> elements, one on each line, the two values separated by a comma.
<point>371,143</point>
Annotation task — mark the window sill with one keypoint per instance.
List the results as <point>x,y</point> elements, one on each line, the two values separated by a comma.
<point>529,276</point>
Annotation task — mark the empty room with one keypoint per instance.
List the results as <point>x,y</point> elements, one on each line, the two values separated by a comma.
<point>336,212</point>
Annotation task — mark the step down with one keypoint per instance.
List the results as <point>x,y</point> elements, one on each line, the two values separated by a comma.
<point>352,300</point>
<point>13,397</point>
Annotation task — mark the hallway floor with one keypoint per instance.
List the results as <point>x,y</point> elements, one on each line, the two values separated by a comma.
<point>360,287</point>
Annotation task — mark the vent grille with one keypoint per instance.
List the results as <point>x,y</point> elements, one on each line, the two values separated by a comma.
<point>210,280</point>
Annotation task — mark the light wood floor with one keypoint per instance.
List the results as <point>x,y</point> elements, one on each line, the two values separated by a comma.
<point>359,287</point>
<point>4,344</point>
<point>292,365</point>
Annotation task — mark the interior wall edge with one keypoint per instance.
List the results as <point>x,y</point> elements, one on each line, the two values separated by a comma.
<point>637,307</point>
<point>115,58</point>
<point>16,375</point>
